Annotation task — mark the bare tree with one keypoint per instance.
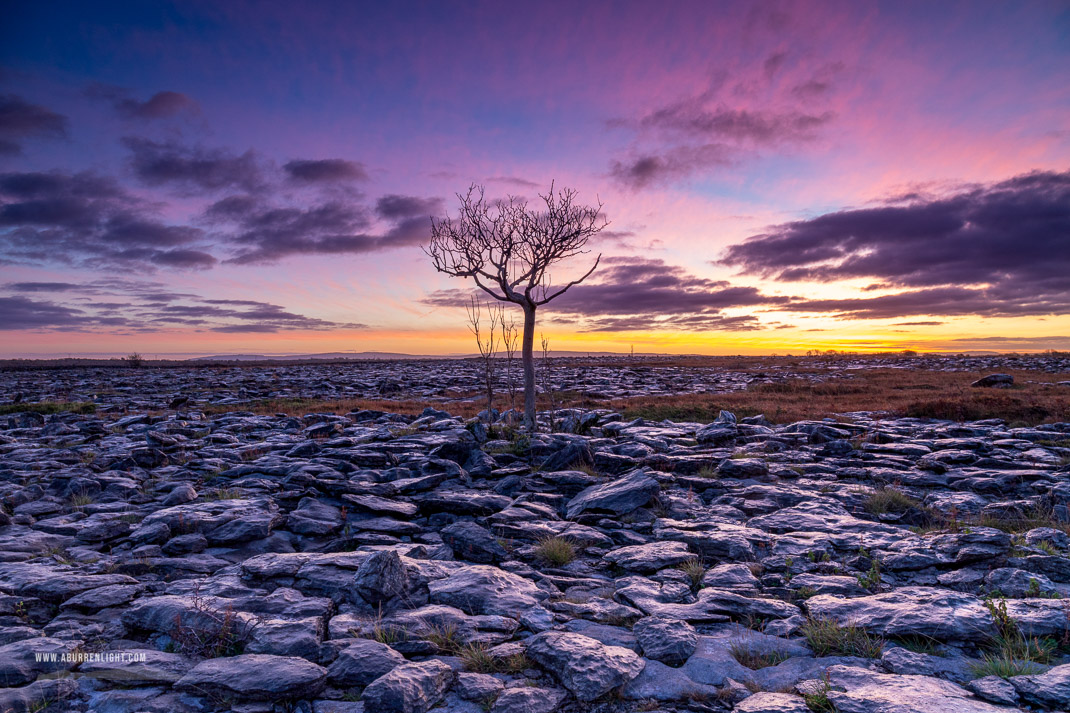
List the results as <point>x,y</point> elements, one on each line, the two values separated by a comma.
<point>510,338</point>
<point>508,250</point>
<point>488,347</point>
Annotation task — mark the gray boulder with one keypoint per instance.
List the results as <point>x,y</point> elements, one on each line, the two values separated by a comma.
<point>772,703</point>
<point>381,577</point>
<point>1050,689</point>
<point>45,694</point>
<point>570,457</point>
<point>856,690</point>
<point>1017,583</point>
<point>926,611</point>
<point>473,543</point>
<point>223,522</point>
<point>480,589</point>
<point>477,687</point>
<point>19,662</point>
<point>619,497</point>
<point>670,641</point>
<point>362,662</point>
<point>410,688</point>
<point>742,468</point>
<point>158,667</point>
<point>650,557</point>
<point>529,700</point>
<point>583,665</point>
<point>259,677</point>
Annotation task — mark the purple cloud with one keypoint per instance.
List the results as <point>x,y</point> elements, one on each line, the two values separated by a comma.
<point>330,170</point>
<point>24,313</point>
<point>193,169</point>
<point>997,249</point>
<point>88,220</point>
<point>160,105</point>
<point>143,310</point>
<point>19,120</point>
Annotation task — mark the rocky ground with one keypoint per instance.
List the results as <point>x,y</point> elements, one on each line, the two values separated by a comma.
<point>116,389</point>
<point>380,563</point>
<point>439,380</point>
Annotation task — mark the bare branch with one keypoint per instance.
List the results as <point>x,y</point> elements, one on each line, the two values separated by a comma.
<point>564,289</point>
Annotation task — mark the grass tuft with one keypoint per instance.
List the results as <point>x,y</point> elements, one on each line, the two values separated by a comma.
<point>1005,666</point>
<point>695,571</point>
<point>443,637</point>
<point>828,638</point>
<point>557,551</point>
<point>918,643</point>
<point>818,701</point>
<point>753,659</point>
<point>889,500</point>
<point>476,659</point>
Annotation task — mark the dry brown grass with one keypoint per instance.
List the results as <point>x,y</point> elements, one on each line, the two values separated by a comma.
<point>924,394</point>
<point>1034,399</point>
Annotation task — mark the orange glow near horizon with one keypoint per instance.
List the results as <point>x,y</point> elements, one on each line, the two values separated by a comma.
<point>853,336</point>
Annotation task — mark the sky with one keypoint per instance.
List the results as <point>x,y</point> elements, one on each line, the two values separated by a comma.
<point>215,178</point>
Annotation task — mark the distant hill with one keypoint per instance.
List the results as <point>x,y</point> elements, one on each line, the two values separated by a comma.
<point>326,355</point>
<point>386,356</point>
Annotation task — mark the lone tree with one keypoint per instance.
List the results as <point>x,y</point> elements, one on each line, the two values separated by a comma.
<point>508,250</point>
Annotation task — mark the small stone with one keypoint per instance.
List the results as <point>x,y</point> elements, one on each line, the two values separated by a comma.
<point>999,381</point>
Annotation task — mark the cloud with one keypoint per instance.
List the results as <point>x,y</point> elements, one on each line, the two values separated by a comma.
<point>24,313</point>
<point>185,259</point>
<point>671,164</point>
<point>232,208</point>
<point>395,207</point>
<point>140,306</point>
<point>265,235</point>
<point>88,220</point>
<point>160,105</point>
<point>270,234</point>
<point>997,249</point>
<point>329,170</point>
<point>19,120</point>
<point>631,293</point>
<point>513,181</point>
<point>693,118</point>
<point>193,169</point>
<point>40,286</point>
<point>778,104</point>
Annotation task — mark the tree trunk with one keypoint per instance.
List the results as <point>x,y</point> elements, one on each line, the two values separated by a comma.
<point>529,368</point>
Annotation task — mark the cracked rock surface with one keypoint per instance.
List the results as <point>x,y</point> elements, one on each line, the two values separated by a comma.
<point>169,560</point>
